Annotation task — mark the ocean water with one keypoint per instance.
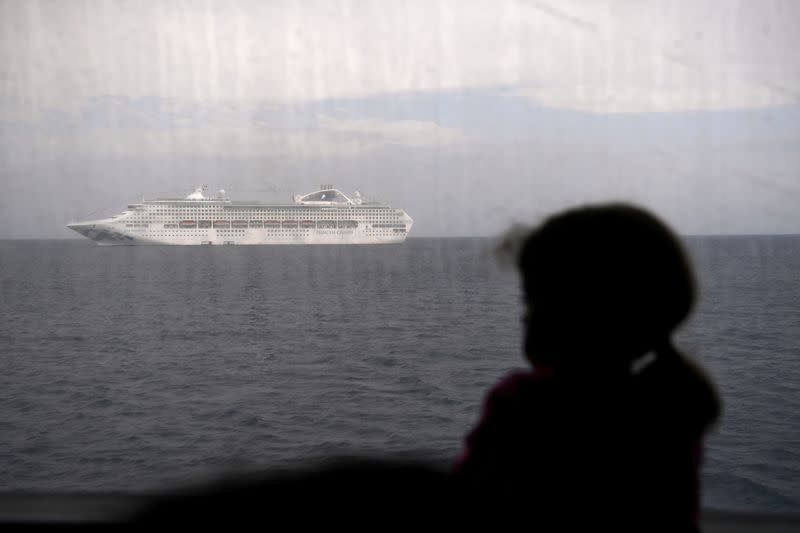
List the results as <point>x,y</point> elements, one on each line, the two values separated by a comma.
<point>138,368</point>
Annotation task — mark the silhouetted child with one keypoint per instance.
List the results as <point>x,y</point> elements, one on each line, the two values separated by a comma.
<point>606,430</point>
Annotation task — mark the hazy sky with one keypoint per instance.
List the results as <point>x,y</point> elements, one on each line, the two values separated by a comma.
<point>469,114</point>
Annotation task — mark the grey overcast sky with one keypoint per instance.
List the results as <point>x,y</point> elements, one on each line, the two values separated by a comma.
<point>471,115</point>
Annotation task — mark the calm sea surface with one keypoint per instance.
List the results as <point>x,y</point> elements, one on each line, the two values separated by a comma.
<point>134,368</point>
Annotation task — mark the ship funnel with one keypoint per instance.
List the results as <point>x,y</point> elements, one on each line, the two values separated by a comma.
<point>197,194</point>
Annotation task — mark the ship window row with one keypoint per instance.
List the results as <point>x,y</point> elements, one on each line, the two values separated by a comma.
<point>262,222</point>
<point>302,224</point>
<point>266,213</point>
<point>226,232</point>
<point>257,221</point>
<point>268,209</point>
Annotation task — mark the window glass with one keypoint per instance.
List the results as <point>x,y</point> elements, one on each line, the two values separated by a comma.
<point>142,367</point>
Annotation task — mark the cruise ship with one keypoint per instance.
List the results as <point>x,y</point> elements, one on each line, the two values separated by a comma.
<point>326,216</point>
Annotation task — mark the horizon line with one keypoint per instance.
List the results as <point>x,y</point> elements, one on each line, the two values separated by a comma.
<point>420,237</point>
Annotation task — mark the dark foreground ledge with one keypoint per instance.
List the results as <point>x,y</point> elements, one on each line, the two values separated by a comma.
<point>105,509</point>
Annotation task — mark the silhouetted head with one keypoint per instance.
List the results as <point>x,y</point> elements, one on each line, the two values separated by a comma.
<point>603,285</point>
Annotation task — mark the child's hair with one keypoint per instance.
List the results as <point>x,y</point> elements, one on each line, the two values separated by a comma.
<point>603,285</point>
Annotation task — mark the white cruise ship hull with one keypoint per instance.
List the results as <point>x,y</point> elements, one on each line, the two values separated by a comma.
<point>106,234</point>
